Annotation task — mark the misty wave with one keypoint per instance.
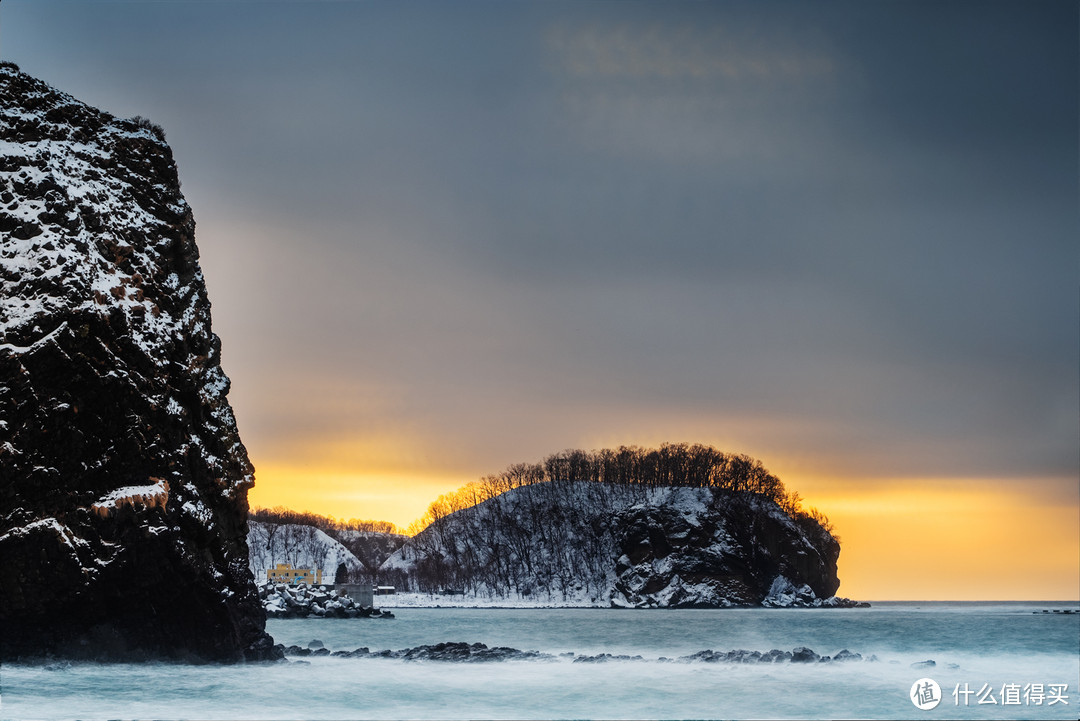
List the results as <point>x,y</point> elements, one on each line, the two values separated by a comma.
<point>592,663</point>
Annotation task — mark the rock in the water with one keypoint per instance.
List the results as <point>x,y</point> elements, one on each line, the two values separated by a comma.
<point>474,653</point>
<point>124,481</point>
<point>804,655</point>
<point>282,601</point>
<point>295,650</point>
<point>478,652</point>
<point>450,652</point>
<point>605,657</point>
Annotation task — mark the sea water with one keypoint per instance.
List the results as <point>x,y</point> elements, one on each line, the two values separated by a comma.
<point>1010,653</point>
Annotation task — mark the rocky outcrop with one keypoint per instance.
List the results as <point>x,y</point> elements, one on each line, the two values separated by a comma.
<point>124,482</point>
<point>300,601</point>
<point>784,594</point>
<point>691,551</point>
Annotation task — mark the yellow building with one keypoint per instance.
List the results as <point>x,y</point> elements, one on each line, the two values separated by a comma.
<point>285,573</point>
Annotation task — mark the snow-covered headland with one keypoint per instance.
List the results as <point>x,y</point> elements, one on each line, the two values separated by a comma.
<point>566,544</point>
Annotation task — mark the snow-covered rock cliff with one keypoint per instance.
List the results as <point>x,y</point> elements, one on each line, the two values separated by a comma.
<point>626,546</point>
<point>124,481</point>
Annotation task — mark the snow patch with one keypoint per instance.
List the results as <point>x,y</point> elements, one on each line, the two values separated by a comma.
<point>151,496</point>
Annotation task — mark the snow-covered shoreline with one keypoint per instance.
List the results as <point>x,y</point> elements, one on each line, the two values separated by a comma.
<point>437,600</point>
<point>283,601</point>
<point>786,598</point>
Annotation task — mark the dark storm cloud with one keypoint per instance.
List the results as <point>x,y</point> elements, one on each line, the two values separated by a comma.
<point>860,217</point>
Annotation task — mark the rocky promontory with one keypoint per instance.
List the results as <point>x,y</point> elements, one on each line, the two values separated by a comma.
<point>615,545</point>
<point>124,481</point>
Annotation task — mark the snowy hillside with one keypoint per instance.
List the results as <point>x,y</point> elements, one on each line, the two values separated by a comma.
<point>301,546</point>
<point>581,543</point>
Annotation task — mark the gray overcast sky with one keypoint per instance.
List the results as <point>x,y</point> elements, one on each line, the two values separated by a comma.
<point>841,237</point>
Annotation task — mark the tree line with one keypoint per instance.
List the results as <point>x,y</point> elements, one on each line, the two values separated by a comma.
<point>296,544</point>
<point>670,465</point>
<point>329,525</point>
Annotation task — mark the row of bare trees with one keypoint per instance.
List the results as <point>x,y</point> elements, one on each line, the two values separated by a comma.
<point>327,524</point>
<point>670,465</point>
<point>272,543</point>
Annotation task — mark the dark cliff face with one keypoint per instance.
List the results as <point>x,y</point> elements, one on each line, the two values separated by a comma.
<point>718,549</point>
<point>123,479</point>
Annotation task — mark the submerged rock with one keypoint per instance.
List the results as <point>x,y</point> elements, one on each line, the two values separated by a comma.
<point>124,481</point>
